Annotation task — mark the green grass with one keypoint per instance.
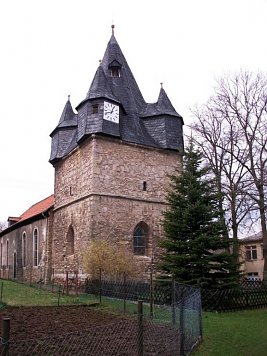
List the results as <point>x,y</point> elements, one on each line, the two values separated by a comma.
<point>16,294</point>
<point>226,334</point>
<point>241,333</point>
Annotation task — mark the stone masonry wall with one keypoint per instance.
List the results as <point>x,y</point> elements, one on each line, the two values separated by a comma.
<point>117,185</point>
<point>11,269</point>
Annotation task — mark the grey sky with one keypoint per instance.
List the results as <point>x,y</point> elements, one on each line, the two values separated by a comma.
<point>51,49</point>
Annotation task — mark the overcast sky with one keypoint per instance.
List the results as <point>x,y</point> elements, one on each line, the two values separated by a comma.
<point>51,48</point>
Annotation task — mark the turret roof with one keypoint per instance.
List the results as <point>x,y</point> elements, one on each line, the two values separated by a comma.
<point>114,81</point>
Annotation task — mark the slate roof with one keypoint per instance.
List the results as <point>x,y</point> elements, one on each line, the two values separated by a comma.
<point>251,238</point>
<point>151,124</point>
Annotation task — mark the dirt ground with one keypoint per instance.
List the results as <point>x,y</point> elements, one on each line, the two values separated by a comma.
<point>36,322</point>
<point>84,330</point>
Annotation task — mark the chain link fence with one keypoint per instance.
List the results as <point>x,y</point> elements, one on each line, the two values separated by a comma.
<point>167,321</point>
<point>124,337</point>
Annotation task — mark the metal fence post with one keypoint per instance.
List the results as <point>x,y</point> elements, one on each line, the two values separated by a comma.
<point>182,326</point>
<point>67,282</point>
<point>140,332</point>
<point>200,316</point>
<point>124,292</point>
<point>6,336</point>
<point>151,296</point>
<point>173,302</point>
<point>58,297</point>
<point>2,286</point>
<point>100,285</point>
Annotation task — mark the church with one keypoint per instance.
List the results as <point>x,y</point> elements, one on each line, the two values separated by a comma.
<point>111,155</point>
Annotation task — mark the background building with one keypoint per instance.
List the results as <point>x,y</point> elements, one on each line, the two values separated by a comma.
<point>251,256</point>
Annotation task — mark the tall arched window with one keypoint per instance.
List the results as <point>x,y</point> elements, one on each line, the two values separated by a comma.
<point>1,255</point>
<point>35,247</point>
<point>70,241</point>
<point>24,253</point>
<point>140,239</point>
<point>7,254</point>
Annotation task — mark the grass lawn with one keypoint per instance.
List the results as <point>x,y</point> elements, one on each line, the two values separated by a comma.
<point>241,333</point>
<point>17,294</point>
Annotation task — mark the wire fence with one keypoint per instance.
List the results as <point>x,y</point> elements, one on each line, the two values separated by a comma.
<point>173,327</point>
<point>164,301</point>
<point>226,300</point>
<point>124,337</point>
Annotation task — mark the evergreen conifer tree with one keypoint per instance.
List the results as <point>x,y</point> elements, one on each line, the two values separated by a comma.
<point>196,249</point>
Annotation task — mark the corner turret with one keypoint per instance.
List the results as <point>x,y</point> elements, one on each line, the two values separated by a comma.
<point>64,135</point>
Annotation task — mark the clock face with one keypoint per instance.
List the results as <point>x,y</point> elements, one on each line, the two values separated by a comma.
<point>111,112</point>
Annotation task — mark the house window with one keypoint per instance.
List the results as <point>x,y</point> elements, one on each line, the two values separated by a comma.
<point>24,249</point>
<point>95,109</point>
<point>251,252</point>
<point>140,239</point>
<point>115,72</point>
<point>35,247</point>
<point>70,241</point>
<point>253,276</point>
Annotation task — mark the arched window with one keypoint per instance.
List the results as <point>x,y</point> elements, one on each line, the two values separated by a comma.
<point>24,249</point>
<point>140,239</point>
<point>70,241</point>
<point>15,265</point>
<point>1,255</point>
<point>7,253</point>
<point>35,247</point>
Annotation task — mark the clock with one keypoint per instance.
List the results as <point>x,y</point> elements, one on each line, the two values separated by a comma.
<point>111,112</point>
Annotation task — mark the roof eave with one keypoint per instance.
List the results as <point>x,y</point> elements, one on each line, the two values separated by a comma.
<point>26,221</point>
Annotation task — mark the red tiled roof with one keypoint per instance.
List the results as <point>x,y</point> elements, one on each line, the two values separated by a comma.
<point>38,208</point>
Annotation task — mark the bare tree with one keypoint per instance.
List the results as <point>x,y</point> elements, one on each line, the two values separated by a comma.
<point>232,127</point>
<point>217,136</point>
<point>3,225</point>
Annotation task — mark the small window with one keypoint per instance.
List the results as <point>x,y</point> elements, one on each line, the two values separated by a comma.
<point>140,240</point>
<point>115,72</point>
<point>95,109</point>
<point>35,247</point>
<point>251,253</point>
<point>144,186</point>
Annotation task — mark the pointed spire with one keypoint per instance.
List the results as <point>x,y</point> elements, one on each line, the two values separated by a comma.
<point>68,117</point>
<point>164,104</point>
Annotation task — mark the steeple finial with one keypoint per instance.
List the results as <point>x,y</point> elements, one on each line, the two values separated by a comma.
<point>69,97</point>
<point>113,26</point>
<point>161,84</point>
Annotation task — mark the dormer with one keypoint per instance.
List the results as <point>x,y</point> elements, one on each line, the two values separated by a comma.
<point>115,69</point>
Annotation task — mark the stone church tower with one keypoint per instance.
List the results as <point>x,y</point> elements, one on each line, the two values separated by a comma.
<point>111,162</point>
